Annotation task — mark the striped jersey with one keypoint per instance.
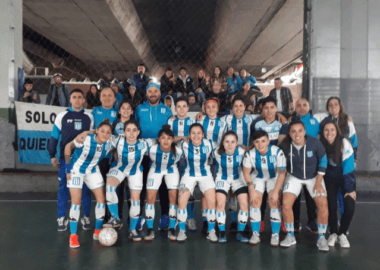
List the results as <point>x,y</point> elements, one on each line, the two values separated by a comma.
<point>241,126</point>
<point>130,155</point>
<point>274,129</point>
<point>213,128</point>
<point>180,127</point>
<point>164,161</point>
<point>197,158</point>
<point>228,167</point>
<point>88,155</point>
<point>265,166</point>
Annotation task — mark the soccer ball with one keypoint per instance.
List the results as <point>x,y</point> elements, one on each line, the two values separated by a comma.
<point>107,237</point>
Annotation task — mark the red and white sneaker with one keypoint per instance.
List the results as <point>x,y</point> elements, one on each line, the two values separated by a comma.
<point>283,228</point>
<point>95,236</point>
<point>74,243</point>
<point>262,226</point>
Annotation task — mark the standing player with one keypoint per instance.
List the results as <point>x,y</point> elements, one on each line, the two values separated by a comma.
<point>130,152</point>
<point>269,168</point>
<point>164,156</point>
<point>67,126</point>
<point>83,168</point>
<point>306,165</point>
<point>339,176</point>
<point>228,158</point>
<point>180,124</point>
<point>197,172</point>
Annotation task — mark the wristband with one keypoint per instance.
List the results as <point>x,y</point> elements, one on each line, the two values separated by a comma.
<point>67,168</point>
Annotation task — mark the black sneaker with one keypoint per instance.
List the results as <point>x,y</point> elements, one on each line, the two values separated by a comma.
<point>312,227</point>
<point>86,223</point>
<point>297,226</point>
<point>205,227</point>
<point>233,227</point>
<point>134,235</point>
<point>112,223</point>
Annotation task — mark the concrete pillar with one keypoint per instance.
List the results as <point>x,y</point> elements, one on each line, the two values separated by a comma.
<point>10,52</point>
<point>344,43</point>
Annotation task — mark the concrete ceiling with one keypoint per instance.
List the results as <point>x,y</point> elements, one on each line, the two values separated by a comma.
<point>108,38</point>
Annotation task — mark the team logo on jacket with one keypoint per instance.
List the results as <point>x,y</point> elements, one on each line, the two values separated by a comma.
<point>113,114</point>
<point>239,158</point>
<point>272,159</point>
<point>78,126</point>
<point>309,153</point>
<point>163,110</point>
<point>189,122</point>
<point>205,149</point>
<point>140,146</point>
<point>312,121</point>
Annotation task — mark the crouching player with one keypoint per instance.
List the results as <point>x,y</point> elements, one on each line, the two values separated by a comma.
<point>83,168</point>
<point>164,156</point>
<point>268,166</point>
<point>130,152</point>
<point>228,158</point>
<point>197,172</point>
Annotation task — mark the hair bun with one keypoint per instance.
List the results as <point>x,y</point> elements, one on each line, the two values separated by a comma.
<point>166,127</point>
<point>106,120</point>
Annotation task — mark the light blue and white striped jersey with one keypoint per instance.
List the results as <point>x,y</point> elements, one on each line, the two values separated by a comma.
<point>197,158</point>
<point>274,129</point>
<point>130,155</point>
<point>265,167</point>
<point>213,128</point>
<point>180,127</point>
<point>88,155</point>
<point>228,167</point>
<point>164,161</point>
<point>241,126</point>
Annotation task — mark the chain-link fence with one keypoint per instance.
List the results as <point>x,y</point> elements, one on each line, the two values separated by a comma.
<point>192,34</point>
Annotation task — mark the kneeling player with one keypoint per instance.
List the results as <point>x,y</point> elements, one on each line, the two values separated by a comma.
<point>84,168</point>
<point>269,168</point>
<point>197,172</point>
<point>130,152</point>
<point>164,157</point>
<point>228,159</point>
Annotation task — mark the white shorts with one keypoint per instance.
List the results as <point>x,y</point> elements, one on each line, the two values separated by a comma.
<point>224,186</point>
<point>204,183</point>
<point>294,185</point>
<point>92,180</point>
<point>135,182</point>
<point>155,179</point>
<point>264,185</point>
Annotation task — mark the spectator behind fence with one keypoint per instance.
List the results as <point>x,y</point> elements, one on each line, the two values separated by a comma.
<point>283,96</point>
<point>218,81</point>
<point>58,93</point>
<point>134,97</point>
<point>92,97</point>
<point>193,104</point>
<point>224,103</point>
<point>246,77</point>
<point>28,94</point>
<point>234,82</point>
<point>201,85</point>
<point>140,80</point>
<point>168,82</point>
<point>184,83</point>
<point>115,87</point>
<point>247,94</point>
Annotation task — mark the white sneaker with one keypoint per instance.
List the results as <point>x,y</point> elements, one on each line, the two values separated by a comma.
<point>86,223</point>
<point>332,240</point>
<point>343,241</point>
<point>255,238</point>
<point>212,236</point>
<point>288,241</point>
<point>181,236</point>
<point>191,224</point>
<point>322,244</point>
<point>62,224</point>
<point>275,240</point>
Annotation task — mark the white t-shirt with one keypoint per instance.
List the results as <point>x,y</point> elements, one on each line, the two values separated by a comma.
<point>279,101</point>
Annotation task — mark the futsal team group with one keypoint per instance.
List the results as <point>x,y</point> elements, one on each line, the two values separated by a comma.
<point>234,158</point>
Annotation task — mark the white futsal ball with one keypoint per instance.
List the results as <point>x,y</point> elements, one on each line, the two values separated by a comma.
<point>107,237</point>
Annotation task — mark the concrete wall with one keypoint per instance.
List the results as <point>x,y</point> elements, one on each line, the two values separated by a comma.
<point>10,51</point>
<point>345,61</point>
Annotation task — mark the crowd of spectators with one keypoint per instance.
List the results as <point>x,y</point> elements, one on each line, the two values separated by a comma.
<point>216,85</point>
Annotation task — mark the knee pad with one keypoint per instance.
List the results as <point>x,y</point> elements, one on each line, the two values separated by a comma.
<point>100,210</point>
